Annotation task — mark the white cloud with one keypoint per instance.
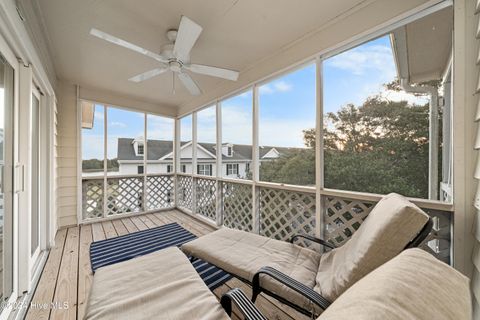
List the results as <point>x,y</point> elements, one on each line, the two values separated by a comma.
<point>282,86</point>
<point>404,96</point>
<point>117,124</point>
<point>276,86</point>
<point>364,59</point>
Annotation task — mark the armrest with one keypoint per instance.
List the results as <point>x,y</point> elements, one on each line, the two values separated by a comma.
<point>291,283</point>
<point>313,239</point>
<point>246,307</point>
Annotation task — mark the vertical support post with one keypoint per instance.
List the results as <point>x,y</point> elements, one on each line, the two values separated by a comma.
<point>80,197</point>
<point>218,173</point>
<point>319,176</point>
<point>145,152</point>
<point>255,163</point>
<point>105,160</point>
<point>433,146</point>
<point>194,162</point>
<point>176,160</point>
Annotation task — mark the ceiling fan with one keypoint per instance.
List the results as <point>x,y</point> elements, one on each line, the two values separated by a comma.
<point>174,57</point>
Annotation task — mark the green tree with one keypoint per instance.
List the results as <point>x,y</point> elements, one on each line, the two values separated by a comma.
<point>378,147</point>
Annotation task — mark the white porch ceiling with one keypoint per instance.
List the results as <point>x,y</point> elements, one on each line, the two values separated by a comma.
<point>237,33</point>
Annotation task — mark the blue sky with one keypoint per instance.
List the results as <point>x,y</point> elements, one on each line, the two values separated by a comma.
<point>287,104</point>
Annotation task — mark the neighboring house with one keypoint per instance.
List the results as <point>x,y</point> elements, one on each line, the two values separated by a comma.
<point>236,158</point>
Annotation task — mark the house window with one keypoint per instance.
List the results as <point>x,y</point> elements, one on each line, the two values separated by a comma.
<point>169,168</point>
<point>232,169</point>
<point>184,168</point>
<point>140,169</point>
<point>204,169</point>
<point>237,128</point>
<point>140,149</point>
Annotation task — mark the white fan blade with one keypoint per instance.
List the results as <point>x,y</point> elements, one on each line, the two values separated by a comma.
<point>108,37</point>
<point>189,84</point>
<point>187,35</point>
<point>213,71</point>
<point>147,75</point>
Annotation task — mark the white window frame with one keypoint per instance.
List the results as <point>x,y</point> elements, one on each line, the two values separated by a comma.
<point>139,145</point>
<point>231,168</point>
<point>204,169</point>
<point>145,173</point>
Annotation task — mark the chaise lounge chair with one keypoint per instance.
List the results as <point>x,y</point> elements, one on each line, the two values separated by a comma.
<point>413,285</point>
<point>160,285</point>
<point>305,279</point>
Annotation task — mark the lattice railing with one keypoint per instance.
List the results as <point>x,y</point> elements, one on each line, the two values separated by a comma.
<point>206,197</point>
<point>237,206</point>
<point>185,192</point>
<point>285,213</point>
<point>92,198</point>
<point>124,195</point>
<point>342,217</point>
<point>160,192</point>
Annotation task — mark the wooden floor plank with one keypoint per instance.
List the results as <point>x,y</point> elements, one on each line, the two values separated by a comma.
<point>119,227</point>
<point>191,219</point>
<point>147,221</point>
<point>46,285</point>
<point>66,290</point>
<point>155,220</point>
<point>129,225</point>
<point>109,229</point>
<point>168,218</point>
<point>85,275</point>
<point>97,231</point>
<point>139,223</point>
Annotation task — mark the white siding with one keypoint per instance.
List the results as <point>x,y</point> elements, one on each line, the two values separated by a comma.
<point>476,105</point>
<point>66,155</point>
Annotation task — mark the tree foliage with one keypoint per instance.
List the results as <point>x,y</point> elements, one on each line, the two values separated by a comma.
<point>97,165</point>
<point>378,147</point>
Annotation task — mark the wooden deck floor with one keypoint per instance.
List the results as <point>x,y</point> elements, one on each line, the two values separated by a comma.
<point>67,275</point>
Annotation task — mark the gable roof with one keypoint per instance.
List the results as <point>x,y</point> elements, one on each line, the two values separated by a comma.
<point>157,149</point>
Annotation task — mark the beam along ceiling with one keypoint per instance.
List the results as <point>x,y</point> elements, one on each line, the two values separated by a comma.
<point>236,34</point>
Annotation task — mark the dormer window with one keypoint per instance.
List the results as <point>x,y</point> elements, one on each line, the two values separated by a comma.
<point>140,149</point>
<point>227,150</point>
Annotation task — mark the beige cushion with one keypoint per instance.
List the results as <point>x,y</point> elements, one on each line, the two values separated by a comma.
<point>243,254</point>
<point>414,285</point>
<point>389,227</point>
<point>163,285</point>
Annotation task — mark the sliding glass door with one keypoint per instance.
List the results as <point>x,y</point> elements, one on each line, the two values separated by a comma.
<point>6,177</point>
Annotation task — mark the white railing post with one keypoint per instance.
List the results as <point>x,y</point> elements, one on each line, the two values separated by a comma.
<point>194,162</point>
<point>255,164</point>
<point>176,160</point>
<point>319,176</point>
<point>145,152</point>
<point>105,160</point>
<point>218,173</point>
